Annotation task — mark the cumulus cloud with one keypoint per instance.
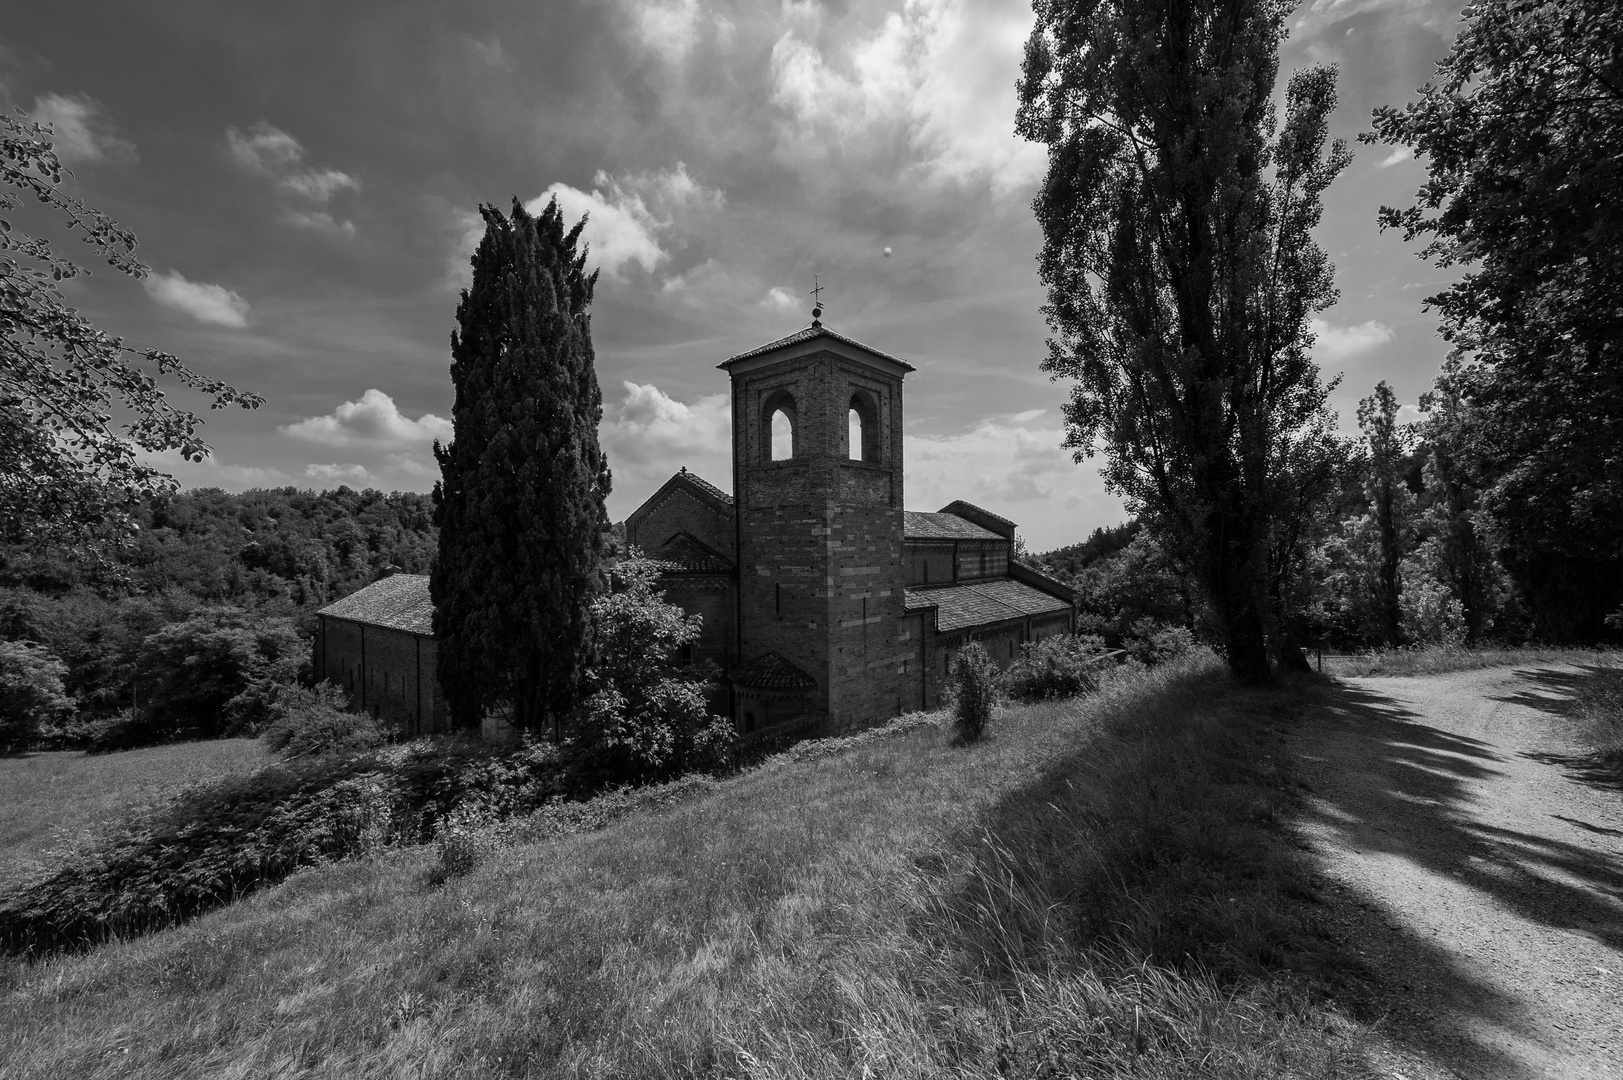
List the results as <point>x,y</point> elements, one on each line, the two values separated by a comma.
<point>626,216</point>
<point>413,466</point>
<point>1014,466</point>
<point>347,473</point>
<point>372,421</point>
<point>1332,344</point>
<point>939,70</point>
<point>214,304</point>
<point>649,435</point>
<point>83,133</point>
<point>272,152</point>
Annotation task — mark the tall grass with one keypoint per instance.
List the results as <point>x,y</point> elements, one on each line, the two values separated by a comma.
<point>1440,659</point>
<point>1097,888</point>
<point>1598,705</point>
<point>50,799</point>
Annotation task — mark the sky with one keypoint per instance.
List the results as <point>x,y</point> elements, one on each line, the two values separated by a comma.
<point>305,176</point>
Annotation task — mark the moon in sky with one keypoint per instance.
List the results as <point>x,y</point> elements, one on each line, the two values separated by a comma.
<point>887,253</point>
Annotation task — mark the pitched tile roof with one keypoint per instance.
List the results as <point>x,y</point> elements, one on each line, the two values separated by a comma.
<point>917,525</point>
<point>398,602</point>
<point>981,602</point>
<point>684,553</point>
<point>815,330</point>
<point>705,486</point>
<point>769,671</point>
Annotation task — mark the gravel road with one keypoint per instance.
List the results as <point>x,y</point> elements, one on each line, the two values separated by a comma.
<point>1475,867</point>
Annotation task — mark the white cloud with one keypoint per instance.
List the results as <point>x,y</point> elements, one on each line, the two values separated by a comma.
<point>348,473</point>
<point>778,297</point>
<point>212,472</point>
<point>1402,153</point>
<point>83,134</point>
<point>320,221</point>
<point>625,217</point>
<point>372,421</point>
<point>649,435</point>
<point>272,152</point>
<point>1014,467</point>
<point>1332,344</point>
<point>669,27</point>
<point>412,466</point>
<point>941,70</point>
<point>213,304</point>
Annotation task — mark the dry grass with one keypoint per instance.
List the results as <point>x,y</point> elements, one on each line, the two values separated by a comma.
<point>1438,659</point>
<point>1095,889</point>
<point>49,799</point>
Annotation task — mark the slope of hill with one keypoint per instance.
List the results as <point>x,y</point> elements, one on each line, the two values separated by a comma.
<point>1100,888</point>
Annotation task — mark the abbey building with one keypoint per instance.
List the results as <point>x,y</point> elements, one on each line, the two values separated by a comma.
<point>826,603</point>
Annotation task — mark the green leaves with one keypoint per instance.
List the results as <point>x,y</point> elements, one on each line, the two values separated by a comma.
<point>68,471</point>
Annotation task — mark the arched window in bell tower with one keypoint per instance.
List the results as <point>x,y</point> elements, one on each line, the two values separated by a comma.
<point>862,428</point>
<point>778,415</point>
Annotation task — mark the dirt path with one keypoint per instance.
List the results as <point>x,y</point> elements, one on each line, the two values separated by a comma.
<point>1474,867</point>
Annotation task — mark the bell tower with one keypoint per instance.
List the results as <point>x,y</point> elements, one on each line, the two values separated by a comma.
<point>817,479</point>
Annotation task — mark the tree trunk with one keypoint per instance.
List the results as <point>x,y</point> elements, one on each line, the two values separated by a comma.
<point>1391,610</point>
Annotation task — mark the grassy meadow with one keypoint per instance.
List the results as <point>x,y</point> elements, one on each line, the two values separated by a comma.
<point>1099,888</point>
<point>1440,659</point>
<point>49,798</point>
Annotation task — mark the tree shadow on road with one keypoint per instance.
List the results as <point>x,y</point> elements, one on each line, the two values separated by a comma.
<point>1389,783</point>
<point>1572,695</point>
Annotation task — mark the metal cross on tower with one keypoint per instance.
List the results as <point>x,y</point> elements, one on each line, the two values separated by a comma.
<point>817,301</point>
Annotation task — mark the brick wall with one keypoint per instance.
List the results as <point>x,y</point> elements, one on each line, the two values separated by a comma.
<point>387,673</point>
<point>681,510</point>
<point>709,596</point>
<point>928,563</point>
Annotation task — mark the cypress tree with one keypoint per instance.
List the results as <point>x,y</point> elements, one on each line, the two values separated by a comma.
<point>520,501</point>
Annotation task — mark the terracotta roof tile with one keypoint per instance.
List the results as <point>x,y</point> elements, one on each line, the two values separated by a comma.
<point>808,333</point>
<point>705,486</point>
<point>981,602</point>
<point>398,602</point>
<point>769,671</point>
<point>917,525</point>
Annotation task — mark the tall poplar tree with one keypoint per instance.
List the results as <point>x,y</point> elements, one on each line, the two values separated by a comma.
<point>1181,272</point>
<point>520,501</point>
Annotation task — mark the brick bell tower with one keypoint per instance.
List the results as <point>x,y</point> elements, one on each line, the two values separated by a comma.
<point>817,475</point>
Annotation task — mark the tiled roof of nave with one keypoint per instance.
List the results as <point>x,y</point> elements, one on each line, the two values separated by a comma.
<point>918,525</point>
<point>398,602</point>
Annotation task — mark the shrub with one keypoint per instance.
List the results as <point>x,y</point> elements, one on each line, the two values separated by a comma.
<point>194,671</point>
<point>1151,643</point>
<point>1055,667</point>
<point>310,722</point>
<point>974,684</point>
<point>644,720</point>
<point>218,841</point>
<point>31,693</point>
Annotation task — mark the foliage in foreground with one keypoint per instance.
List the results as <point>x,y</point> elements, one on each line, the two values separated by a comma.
<point>67,472</point>
<point>1098,892</point>
<point>219,841</point>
